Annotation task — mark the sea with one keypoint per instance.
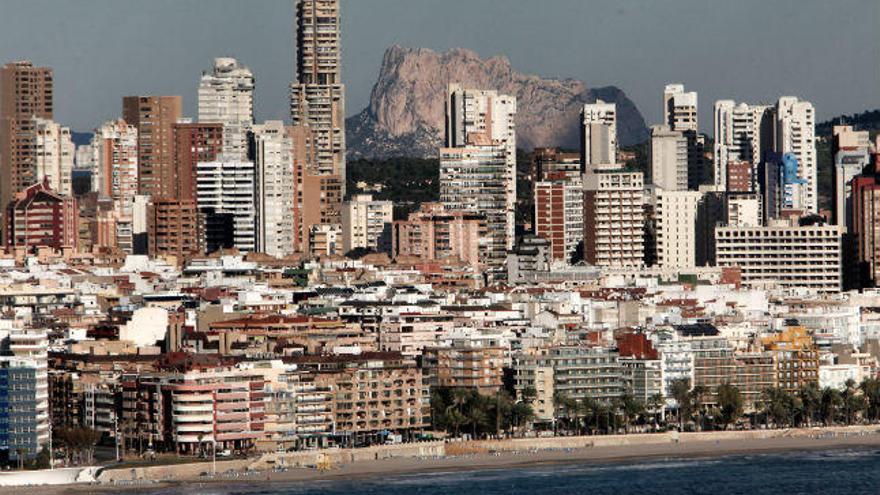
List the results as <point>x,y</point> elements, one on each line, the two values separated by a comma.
<point>848,472</point>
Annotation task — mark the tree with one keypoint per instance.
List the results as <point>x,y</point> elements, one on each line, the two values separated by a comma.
<point>681,392</point>
<point>631,408</point>
<point>697,397</point>
<point>730,404</point>
<point>829,405</point>
<point>655,405</point>
<point>811,400</point>
<point>870,388</point>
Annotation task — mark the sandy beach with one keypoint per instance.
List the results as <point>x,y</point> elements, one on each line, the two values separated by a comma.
<point>690,446</point>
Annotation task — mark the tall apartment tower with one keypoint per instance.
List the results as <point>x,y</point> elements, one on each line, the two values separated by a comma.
<point>195,143</point>
<point>115,154</point>
<point>276,189</point>
<point>25,93</point>
<point>53,155</point>
<point>154,117</point>
<point>598,134</point>
<point>743,134</point>
<point>796,134</point>
<point>226,96</point>
<point>680,108</point>
<point>225,195</point>
<point>668,159</point>
<point>317,95</point>
<point>614,218</point>
<point>471,113</point>
<point>366,223</point>
<point>478,165</point>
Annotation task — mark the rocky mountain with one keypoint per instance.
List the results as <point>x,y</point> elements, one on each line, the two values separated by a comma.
<point>406,112</point>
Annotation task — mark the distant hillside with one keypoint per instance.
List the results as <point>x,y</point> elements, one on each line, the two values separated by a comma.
<point>868,120</point>
<point>406,113</point>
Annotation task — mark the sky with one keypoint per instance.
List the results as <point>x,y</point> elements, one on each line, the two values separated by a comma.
<point>825,51</point>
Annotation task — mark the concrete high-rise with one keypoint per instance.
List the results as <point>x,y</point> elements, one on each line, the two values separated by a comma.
<point>277,181</point>
<point>154,117</point>
<point>226,96</point>
<point>851,152</point>
<point>479,179</point>
<point>614,218</point>
<point>366,223</point>
<point>796,134</point>
<point>114,147</point>
<point>474,112</point>
<point>680,108</point>
<point>743,133</point>
<point>598,134</point>
<point>25,92</point>
<point>478,164</point>
<point>226,196</point>
<point>53,155</point>
<point>668,159</point>
<point>677,228</point>
<point>317,95</point>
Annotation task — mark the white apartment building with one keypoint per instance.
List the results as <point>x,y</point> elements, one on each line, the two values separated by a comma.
<point>676,216</point>
<point>795,133</point>
<point>743,210</point>
<point>742,133</point>
<point>668,159</point>
<point>366,223</point>
<point>25,360</point>
<point>851,154</point>
<point>784,255</point>
<point>275,189</point>
<point>226,96</point>
<point>680,108</point>
<point>115,155</point>
<point>480,179</point>
<point>53,155</point>
<point>598,134</point>
<point>228,188</point>
<point>614,218</point>
<point>676,362</point>
<point>476,115</point>
<point>325,239</point>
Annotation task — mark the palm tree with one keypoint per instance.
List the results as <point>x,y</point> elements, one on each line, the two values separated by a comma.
<point>870,388</point>
<point>656,405</point>
<point>697,397</point>
<point>681,393</point>
<point>730,404</point>
<point>829,405</point>
<point>811,399</point>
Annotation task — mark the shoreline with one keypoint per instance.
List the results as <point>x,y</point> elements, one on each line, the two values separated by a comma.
<point>691,447</point>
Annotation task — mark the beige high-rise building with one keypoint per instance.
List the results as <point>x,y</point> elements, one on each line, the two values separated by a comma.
<point>25,92</point>
<point>366,223</point>
<point>154,117</point>
<point>317,95</point>
<point>598,134</point>
<point>434,233</point>
<point>614,218</point>
<point>668,159</point>
<point>783,254</point>
<point>796,133</point>
<point>474,114</point>
<point>676,215</point>
<point>53,155</point>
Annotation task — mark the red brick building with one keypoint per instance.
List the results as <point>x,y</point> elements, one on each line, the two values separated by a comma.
<point>38,216</point>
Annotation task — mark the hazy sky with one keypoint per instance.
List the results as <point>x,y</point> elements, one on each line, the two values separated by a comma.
<point>826,51</point>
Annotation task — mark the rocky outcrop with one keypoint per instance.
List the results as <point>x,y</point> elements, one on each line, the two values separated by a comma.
<point>406,112</point>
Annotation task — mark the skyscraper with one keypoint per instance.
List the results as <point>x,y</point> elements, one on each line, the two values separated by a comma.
<point>53,155</point>
<point>478,166</point>
<point>225,192</point>
<point>796,134</point>
<point>25,93</point>
<point>154,117</point>
<point>195,143</point>
<point>226,96</point>
<point>598,134</point>
<point>317,95</point>
<point>276,187</point>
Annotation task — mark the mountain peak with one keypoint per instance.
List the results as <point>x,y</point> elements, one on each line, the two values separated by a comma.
<point>407,104</point>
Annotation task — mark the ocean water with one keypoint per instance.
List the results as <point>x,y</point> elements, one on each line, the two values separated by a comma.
<point>835,472</point>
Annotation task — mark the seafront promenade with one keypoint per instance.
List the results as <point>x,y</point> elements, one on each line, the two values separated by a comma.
<point>483,454</point>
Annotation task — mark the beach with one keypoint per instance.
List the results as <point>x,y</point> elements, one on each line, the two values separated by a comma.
<point>604,449</point>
